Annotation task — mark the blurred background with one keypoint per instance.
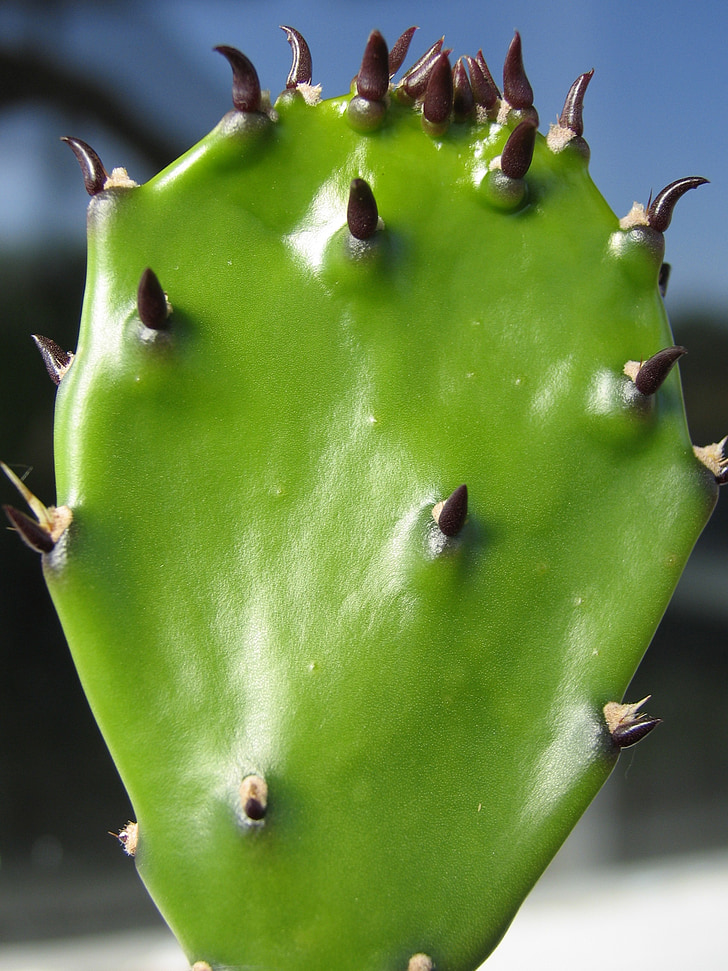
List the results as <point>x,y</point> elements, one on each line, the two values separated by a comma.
<point>139,82</point>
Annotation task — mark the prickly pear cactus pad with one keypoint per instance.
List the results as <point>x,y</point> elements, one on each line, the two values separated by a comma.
<point>374,482</point>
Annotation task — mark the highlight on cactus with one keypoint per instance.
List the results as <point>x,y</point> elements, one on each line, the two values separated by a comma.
<point>374,482</point>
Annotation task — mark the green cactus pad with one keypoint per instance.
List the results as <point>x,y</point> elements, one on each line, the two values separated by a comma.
<point>351,736</point>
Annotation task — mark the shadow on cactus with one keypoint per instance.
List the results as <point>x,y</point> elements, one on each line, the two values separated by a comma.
<point>374,482</point>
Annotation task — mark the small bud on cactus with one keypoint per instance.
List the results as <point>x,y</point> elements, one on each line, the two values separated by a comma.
<point>626,724</point>
<point>450,515</point>
<point>129,838</point>
<point>152,304</point>
<point>420,962</point>
<point>261,513</point>
<point>362,214</point>
<point>254,798</point>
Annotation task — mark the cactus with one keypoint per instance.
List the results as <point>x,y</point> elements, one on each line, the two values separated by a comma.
<point>374,482</point>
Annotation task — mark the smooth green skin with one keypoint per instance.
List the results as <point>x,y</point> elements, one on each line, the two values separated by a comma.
<point>253,581</point>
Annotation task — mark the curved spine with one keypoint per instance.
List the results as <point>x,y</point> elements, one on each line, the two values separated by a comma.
<point>92,168</point>
<point>654,371</point>
<point>302,67</point>
<point>660,210</point>
<point>628,735</point>
<point>246,85</point>
<point>571,116</point>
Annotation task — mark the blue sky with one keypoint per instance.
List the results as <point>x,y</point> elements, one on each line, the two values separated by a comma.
<point>654,111</point>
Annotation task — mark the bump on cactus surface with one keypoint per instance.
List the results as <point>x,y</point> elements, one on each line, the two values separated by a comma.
<point>369,505</point>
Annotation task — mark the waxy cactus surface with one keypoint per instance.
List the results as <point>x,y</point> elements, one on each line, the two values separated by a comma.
<point>374,482</point>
